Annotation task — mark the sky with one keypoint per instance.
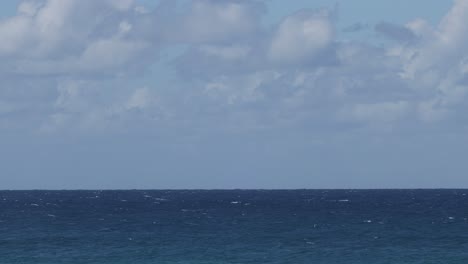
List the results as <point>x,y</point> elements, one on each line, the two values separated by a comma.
<point>205,94</point>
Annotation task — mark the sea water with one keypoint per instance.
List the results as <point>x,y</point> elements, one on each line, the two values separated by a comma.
<point>234,226</point>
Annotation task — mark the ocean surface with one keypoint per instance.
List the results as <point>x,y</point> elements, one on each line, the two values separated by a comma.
<point>235,226</point>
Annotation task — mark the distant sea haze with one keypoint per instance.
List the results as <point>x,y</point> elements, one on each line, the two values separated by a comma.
<point>235,226</point>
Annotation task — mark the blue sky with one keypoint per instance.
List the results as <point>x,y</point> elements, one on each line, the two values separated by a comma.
<point>117,94</point>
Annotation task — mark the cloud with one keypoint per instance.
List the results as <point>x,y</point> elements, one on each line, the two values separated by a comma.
<point>213,21</point>
<point>301,36</point>
<point>206,82</point>
<point>395,32</point>
<point>420,28</point>
<point>435,66</point>
<point>201,21</point>
<point>57,37</point>
<point>91,106</point>
<point>64,69</point>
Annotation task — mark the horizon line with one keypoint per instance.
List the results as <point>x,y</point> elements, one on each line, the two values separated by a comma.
<point>235,189</point>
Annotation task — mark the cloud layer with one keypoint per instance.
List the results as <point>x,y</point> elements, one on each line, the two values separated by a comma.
<point>78,65</point>
<point>212,84</point>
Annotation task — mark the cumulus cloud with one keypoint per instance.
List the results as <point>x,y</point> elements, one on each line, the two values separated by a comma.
<point>228,67</point>
<point>435,66</point>
<point>301,36</point>
<point>211,21</point>
<point>202,21</point>
<point>57,37</point>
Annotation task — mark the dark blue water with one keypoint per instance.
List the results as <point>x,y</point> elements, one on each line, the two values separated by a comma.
<point>300,226</point>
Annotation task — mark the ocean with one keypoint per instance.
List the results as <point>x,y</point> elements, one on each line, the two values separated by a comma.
<point>234,226</point>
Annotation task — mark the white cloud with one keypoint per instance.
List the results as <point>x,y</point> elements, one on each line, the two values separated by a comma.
<point>12,32</point>
<point>140,99</point>
<point>238,90</point>
<point>301,36</point>
<point>187,75</point>
<point>28,8</point>
<point>435,65</point>
<point>213,21</point>
<point>229,65</point>
<point>48,37</point>
<point>420,27</point>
